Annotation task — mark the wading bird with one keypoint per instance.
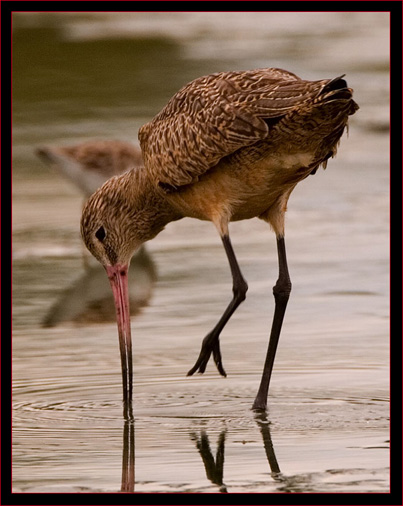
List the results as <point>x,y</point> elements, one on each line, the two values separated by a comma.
<point>89,164</point>
<point>228,146</point>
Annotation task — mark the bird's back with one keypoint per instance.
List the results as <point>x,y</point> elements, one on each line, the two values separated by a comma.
<point>216,116</point>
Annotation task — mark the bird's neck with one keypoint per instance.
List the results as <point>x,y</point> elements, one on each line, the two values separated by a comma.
<point>150,207</point>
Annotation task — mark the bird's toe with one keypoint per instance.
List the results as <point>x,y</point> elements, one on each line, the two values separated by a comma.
<point>209,347</point>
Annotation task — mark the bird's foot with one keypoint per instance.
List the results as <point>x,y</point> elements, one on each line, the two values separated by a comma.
<point>210,345</point>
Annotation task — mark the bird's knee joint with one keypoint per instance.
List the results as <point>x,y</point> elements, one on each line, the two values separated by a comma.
<point>239,291</point>
<point>282,289</point>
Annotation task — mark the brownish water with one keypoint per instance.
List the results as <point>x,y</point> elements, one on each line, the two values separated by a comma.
<point>327,427</point>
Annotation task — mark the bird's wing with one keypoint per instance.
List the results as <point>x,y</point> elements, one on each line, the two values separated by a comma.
<point>216,115</point>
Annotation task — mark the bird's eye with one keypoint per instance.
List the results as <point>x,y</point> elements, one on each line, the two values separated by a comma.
<point>100,234</point>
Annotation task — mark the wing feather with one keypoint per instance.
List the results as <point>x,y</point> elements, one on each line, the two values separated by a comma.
<point>215,116</point>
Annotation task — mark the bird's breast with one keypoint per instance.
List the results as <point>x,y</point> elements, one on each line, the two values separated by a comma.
<point>238,190</point>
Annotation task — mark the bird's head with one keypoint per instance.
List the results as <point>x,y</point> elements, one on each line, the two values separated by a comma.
<point>107,225</point>
<point>119,217</point>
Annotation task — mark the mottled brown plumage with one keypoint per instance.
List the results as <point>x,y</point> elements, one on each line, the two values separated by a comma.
<point>214,116</point>
<point>226,147</point>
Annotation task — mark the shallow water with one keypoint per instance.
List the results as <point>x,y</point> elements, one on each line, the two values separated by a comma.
<point>327,428</point>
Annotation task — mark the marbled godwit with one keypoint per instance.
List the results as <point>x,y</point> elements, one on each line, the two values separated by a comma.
<point>228,146</point>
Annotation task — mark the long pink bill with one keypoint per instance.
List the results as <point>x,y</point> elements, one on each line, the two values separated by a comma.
<point>118,278</point>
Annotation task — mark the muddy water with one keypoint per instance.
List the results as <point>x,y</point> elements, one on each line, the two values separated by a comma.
<point>327,429</point>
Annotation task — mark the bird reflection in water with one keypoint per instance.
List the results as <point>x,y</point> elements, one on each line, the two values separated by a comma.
<point>263,424</point>
<point>128,453</point>
<point>214,468</point>
<point>89,298</point>
<point>287,484</point>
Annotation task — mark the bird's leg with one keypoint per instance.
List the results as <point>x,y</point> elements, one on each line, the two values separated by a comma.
<point>211,343</point>
<point>281,292</point>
